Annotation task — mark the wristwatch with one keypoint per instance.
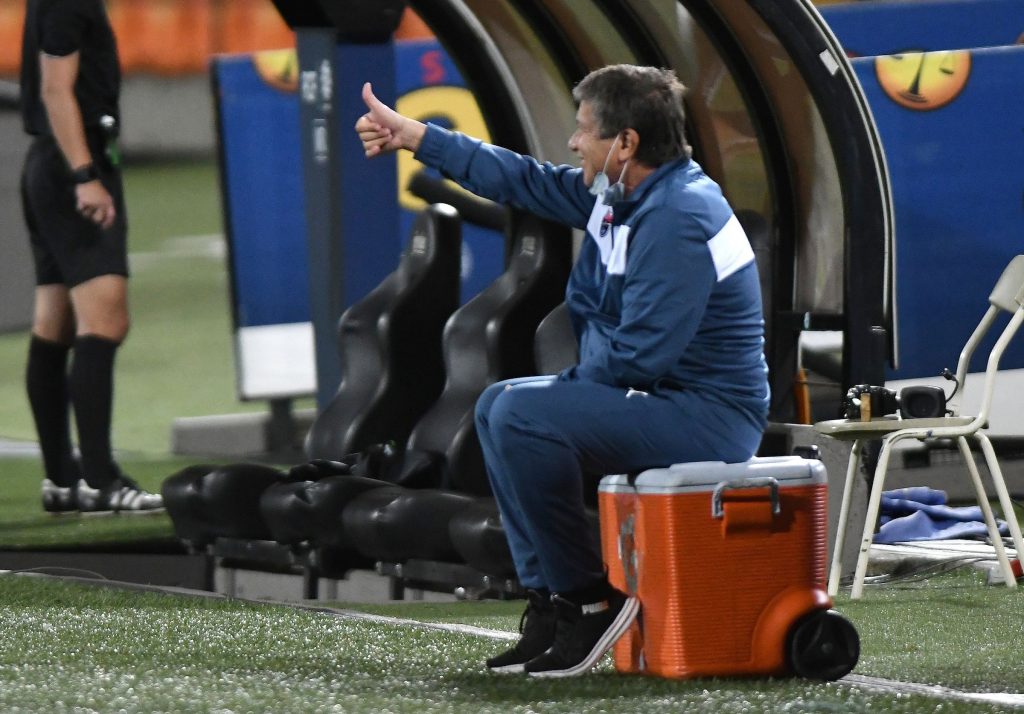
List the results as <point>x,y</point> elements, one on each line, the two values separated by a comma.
<point>85,174</point>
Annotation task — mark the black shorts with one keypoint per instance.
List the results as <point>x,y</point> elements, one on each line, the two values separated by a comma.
<point>68,248</point>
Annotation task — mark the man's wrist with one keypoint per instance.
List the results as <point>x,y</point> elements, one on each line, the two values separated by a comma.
<point>414,135</point>
<point>85,173</point>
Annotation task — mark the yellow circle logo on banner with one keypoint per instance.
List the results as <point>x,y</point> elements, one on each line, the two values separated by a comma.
<point>278,68</point>
<point>923,81</point>
<point>457,107</point>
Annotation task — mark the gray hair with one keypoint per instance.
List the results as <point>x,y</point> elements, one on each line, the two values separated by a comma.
<point>648,100</point>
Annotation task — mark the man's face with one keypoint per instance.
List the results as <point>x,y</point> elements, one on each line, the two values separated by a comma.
<point>587,144</point>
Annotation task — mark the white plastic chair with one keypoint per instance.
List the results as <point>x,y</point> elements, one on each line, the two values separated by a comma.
<point>1007,295</point>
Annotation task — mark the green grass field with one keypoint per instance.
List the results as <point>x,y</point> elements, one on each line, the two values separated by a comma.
<point>70,647</point>
<point>178,359</point>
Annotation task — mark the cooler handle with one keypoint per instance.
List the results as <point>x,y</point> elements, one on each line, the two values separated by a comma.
<point>754,482</point>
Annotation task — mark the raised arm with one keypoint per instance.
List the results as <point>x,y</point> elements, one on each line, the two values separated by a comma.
<point>554,192</point>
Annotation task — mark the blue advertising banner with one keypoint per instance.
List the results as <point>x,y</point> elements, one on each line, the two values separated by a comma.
<point>262,185</point>
<point>952,124</point>
<point>881,28</point>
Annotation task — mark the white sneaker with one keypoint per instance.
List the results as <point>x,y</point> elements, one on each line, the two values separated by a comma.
<point>58,499</point>
<point>120,495</point>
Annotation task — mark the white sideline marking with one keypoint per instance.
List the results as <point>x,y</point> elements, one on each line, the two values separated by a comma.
<point>932,690</point>
<point>211,246</point>
<point>389,620</point>
<point>18,448</point>
<point>878,684</point>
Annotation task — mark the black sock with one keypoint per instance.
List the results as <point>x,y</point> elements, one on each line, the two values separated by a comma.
<point>46,382</point>
<point>594,592</point>
<point>543,597</point>
<point>91,383</point>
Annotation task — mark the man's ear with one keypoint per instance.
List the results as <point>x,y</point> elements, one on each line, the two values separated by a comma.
<point>629,142</point>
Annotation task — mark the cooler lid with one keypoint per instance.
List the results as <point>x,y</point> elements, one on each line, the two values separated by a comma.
<point>616,483</point>
<point>788,471</point>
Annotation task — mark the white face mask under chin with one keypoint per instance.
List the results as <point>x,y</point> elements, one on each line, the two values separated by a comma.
<point>609,193</point>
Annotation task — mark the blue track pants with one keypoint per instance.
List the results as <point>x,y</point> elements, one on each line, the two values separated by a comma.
<point>539,435</point>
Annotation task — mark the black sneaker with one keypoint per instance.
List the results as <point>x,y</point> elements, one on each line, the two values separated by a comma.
<point>537,627</point>
<point>122,495</point>
<point>585,630</point>
<point>58,499</point>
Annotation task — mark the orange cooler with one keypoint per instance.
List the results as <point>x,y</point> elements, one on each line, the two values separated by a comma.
<point>726,560</point>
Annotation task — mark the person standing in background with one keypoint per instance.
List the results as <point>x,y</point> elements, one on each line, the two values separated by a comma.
<point>74,209</point>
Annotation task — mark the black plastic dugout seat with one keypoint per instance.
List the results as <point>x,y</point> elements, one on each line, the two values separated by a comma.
<point>304,517</point>
<point>487,340</point>
<point>206,502</point>
<point>392,366</point>
<point>555,347</point>
<point>381,521</point>
<point>759,235</point>
<point>300,511</point>
<point>392,370</point>
<point>475,536</point>
<point>479,538</point>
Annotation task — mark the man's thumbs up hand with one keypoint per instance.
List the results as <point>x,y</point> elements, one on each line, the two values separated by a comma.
<point>383,130</point>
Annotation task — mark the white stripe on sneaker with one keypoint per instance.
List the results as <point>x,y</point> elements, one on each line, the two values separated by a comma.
<point>617,629</point>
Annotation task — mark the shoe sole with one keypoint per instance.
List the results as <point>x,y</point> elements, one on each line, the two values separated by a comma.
<point>508,669</point>
<point>96,514</point>
<point>124,512</point>
<point>142,511</point>
<point>617,629</point>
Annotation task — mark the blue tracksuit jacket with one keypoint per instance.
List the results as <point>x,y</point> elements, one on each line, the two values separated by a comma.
<point>664,295</point>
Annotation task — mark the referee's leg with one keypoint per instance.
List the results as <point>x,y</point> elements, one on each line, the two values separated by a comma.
<point>46,384</point>
<point>101,310</point>
<point>101,307</point>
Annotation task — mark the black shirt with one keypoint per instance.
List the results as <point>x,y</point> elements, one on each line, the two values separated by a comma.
<point>59,28</point>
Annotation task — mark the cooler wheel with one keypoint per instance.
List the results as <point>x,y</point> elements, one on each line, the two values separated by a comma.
<point>823,645</point>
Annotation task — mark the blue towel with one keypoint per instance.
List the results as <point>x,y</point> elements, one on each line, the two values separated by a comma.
<point>921,513</point>
<point>921,494</point>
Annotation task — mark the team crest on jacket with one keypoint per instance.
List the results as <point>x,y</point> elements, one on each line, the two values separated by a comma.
<point>611,240</point>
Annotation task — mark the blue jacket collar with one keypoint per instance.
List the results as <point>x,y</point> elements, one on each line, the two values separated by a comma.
<point>622,209</point>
